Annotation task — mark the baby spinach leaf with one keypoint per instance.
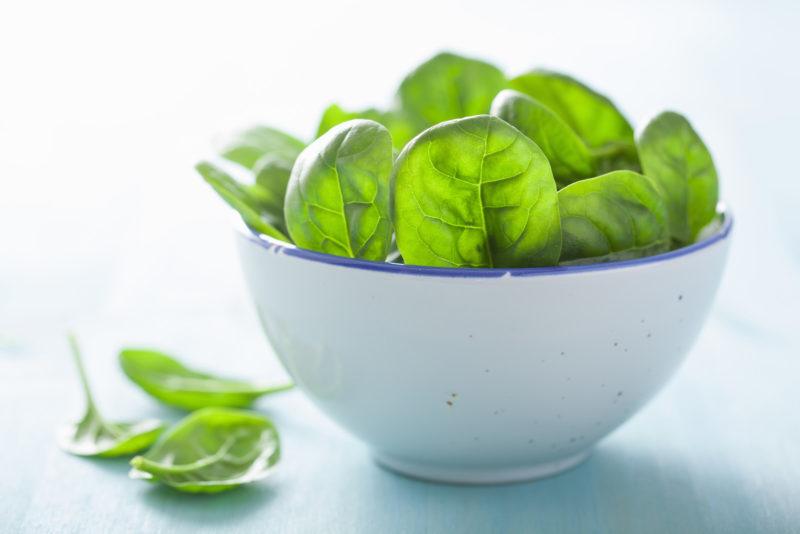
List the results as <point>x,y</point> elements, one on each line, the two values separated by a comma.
<point>338,196</point>
<point>399,126</point>
<point>569,157</point>
<point>211,450</point>
<point>271,179</point>
<point>677,159</point>
<point>616,157</point>
<point>475,192</point>
<point>241,198</point>
<point>94,436</point>
<point>172,383</point>
<point>335,114</point>
<point>269,154</point>
<point>591,115</point>
<point>449,86</point>
<point>249,146</point>
<point>616,216</point>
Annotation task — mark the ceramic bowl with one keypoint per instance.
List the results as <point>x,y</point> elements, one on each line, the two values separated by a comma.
<point>481,375</point>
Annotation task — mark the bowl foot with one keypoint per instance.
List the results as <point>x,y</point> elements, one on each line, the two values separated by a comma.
<point>480,475</point>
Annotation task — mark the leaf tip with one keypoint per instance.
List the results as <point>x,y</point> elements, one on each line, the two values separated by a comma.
<point>203,168</point>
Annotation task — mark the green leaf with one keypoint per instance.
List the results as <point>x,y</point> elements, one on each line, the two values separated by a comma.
<point>269,154</point>
<point>272,174</point>
<point>568,155</point>
<point>338,196</point>
<point>475,192</point>
<point>172,383</point>
<point>591,115</point>
<point>675,157</point>
<point>616,157</point>
<point>447,87</point>
<point>400,127</point>
<point>335,114</point>
<point>211,450</point>
<point>239,197</point>
<point>94,436</point>
<point>613,217</point>
<point>247,147</point>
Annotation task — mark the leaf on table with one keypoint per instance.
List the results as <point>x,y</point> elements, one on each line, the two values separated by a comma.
<point>211,450</point>
<point>94,436</point>
<point>172,383</point>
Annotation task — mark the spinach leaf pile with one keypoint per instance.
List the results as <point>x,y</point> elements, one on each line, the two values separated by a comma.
<point>471,168</point>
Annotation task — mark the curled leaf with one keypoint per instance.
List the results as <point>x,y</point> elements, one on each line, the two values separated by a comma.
<point>211,450</point>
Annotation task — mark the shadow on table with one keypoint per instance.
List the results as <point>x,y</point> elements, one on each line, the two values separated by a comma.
<point>116,466</point>
<point>616,490</point>
<point>222,509</point>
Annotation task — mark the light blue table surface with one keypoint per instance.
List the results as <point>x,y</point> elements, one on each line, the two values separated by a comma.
<point>717,451</point>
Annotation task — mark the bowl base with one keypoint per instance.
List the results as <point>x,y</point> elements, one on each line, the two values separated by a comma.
<point>480,475</point>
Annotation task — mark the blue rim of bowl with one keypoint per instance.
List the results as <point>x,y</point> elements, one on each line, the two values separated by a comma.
<point>281,247</point>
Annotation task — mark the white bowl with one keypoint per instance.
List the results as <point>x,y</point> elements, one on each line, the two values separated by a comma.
<point>481,375</point>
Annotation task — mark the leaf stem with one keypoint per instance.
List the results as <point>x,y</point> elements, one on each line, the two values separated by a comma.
<point>276,389</point>
<point>76,354</point>
<point>140,462</point>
